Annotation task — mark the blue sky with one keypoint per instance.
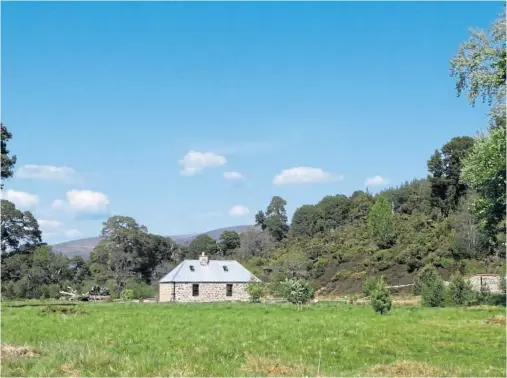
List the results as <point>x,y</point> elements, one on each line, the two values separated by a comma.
<point>140,109</point>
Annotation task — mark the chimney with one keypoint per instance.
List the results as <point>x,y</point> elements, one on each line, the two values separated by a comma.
<point>203,259</point>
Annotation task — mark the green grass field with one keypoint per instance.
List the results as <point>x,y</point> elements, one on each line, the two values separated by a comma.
<point>252,340</point>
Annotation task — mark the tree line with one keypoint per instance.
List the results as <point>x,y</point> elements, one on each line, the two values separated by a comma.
<point>453,220</point>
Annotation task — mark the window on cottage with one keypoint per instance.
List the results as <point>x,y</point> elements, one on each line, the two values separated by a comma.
<point>192,268</point>
<point>228,290</point>
<point>195,290</point>
<point>226,269</point>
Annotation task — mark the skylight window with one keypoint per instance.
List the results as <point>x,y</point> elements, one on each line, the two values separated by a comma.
<point>226,269</point>
<point>192,269</point>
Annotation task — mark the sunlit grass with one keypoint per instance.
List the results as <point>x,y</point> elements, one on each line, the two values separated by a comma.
<point>253,340</point>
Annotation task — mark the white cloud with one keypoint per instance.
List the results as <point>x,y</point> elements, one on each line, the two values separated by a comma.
<point>46,172</point>
<point>233,176</point>
<point>304,175</point>
<point>376,181</point>
<point>193,162</point>
<point>47,224</point>
<point>22,200</point>
<point>238,211</point>
<point>54,228</point>
<point>83,201</point>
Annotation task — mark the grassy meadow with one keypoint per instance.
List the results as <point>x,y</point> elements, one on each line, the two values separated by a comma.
<point>111,339</point>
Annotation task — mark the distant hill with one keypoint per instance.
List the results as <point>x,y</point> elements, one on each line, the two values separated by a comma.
<point>83,247</point>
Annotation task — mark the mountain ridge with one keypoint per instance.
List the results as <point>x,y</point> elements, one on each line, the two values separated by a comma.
<point>83,247</point>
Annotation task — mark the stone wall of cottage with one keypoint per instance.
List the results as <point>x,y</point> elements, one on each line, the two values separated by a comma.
<point>165,292</point>
<point>208,292</point>
<point>490,281</point>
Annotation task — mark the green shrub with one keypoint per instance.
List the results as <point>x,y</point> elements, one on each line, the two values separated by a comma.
<point>317,270</point>
<point>483,295</point>
<point>141,290</point>
<point>297,292</point>
<point>433,293</point>
<point>426,276</point>
<point>380,298</point>
<point>256,290</point>
<point>497,300</point>
<point>127,295</point>
<point>358,275</point>
<point>460,291</point>
<point>503,285</point>
<point>369,285</point>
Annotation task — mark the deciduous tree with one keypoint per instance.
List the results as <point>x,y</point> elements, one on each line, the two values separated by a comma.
<point>276,218</point>
<point>445,167</point>
<point>202,243</point>
<point>8,161</point>
<point>229,241</point>
<point>20,230</point>
<point>381,222</point>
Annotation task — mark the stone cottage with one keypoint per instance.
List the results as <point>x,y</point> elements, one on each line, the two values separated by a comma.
<point>490,281</point>
<point>206,280</point>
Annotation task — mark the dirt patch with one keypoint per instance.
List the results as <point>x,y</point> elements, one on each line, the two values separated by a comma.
<point>498,320</point>
<point>12,351</point>
<point>481,307</point>
<point>68,370</point>
<point>67,310</point>
<point>404,369</point>
<point>267,367</point>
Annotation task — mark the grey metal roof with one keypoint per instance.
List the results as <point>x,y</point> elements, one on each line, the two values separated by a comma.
<point>212,272</point>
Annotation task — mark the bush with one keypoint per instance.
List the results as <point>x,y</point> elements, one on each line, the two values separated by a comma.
<point>141,290</point>
<point>380,298</point>
<point>256,290</point>
<point>297,292</point>
<point>369,285</point>
<point>497,300</point>
<point>426,276</point>
<point>460,291</point>
<point>127,295</point>
<point>503,285</point>
<point>433,293</point>
<point>483,295</point>
<point>317,270</point>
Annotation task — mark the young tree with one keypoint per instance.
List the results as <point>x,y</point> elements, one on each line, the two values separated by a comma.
<point>381,222</point>
<point>256,290</point>
<point>460,290</point>
<point>369,285</point>
<point>433,293</point>
<point>380,297</point>
<point>425,276</point>
<point>8,161</point>
<point>297,292</point>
